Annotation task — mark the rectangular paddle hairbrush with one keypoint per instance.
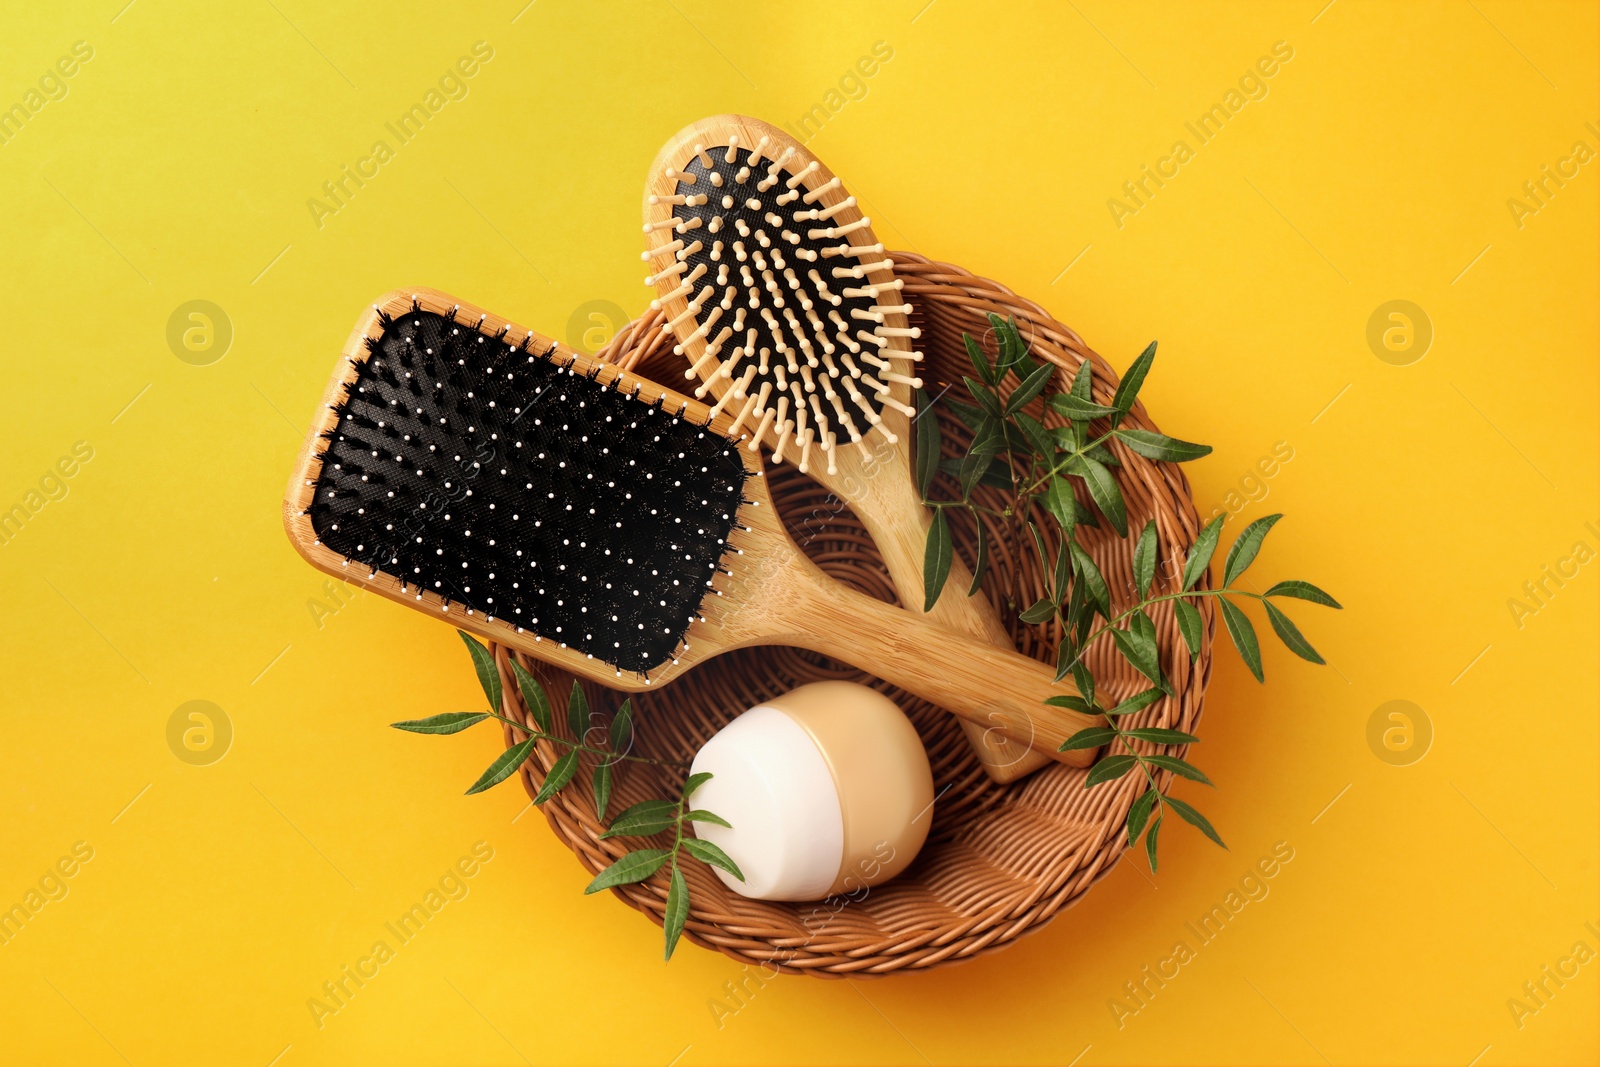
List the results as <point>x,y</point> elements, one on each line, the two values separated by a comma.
<point>480,472</point>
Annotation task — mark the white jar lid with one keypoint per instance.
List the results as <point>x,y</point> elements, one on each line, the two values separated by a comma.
<point>771,781</point>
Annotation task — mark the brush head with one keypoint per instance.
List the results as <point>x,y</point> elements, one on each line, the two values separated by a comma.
<point>780,296</point>
<point>481,472</point>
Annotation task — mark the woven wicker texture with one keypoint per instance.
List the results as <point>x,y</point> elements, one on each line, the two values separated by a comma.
<point>1000,860</point>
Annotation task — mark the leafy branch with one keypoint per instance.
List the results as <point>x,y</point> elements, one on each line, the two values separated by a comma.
<point>1039,470</point>
<point>643,819</point>
<point>652,817</point>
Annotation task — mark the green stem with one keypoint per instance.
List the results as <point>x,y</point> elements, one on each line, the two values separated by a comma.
<point>1058,468</point>
<point>1111,623</point>
<point>540,735</point>
<point>962,504</point>
<point>1144,768</point>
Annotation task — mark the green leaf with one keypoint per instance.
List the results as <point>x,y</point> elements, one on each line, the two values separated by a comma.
<point>446,722</point>
<point>973,468</point>
<point>1144,558</point>
<point>1195,819</point>
<point>1077,608</point>
<point>1087,572</point>
<point>577,712</point>
<point>636,866</point>
<point>984,396</point>
<point>1078,409</point>
<point>1200,553</point>
<point>503,767</point>
<point>971,417</point>
<point>1160,736</point>
<point>1244,637</point>
<point>1138,646</point>
<point>1190,625</point>
<point>970,470</point>
<point>927,443</point>
<point>1064,655</point>
<point>1139,814</point>
<point>1150,843</point>
<point>643,819</point>
<point>1084,680</point>
<point>980,360</point>
<point>1082,613</point>
<point>1089,737</point>
<point>1038,546</point>
<point>1303,591</point>
<point>1243,552</point>
<point>1109,769</point>
<point>706,852</point>
<point>677,912</point>
<point>1070,700</point>
<point>1137,702</point>
<point>695,781</point>
<point>1182,768</point>
<point>983,557</point>
<point>1058,499</point>
<point>936,560</point>
<point>1063,575</point>
<point>1128,390</point>
<point>602,790</point>
<point>1152,445</point>
<point>1043,610</point>
<point>1036,434</point>
<point>1099,454</point>
<point>620,735</point>
<point>533,695</point>
<point>560,774</point>
<point>1086,516</point>
<point>1083,382</point>
<point>488,676</point>
<point>702,815</point>
<point>1065,437</point>
<point>1016,441</point>
<point>1290,634</point>
<point>1132,651</point>
<point>1142,632</point>
<point>1105,492</point>
<point>1031,387</point>
<point>1008,343</point>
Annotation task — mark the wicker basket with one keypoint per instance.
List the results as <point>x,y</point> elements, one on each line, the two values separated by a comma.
<point>1000,860</point>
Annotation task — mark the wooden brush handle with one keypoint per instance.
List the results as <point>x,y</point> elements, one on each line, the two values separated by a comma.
<point>888,506</point>
<point>993,687</point>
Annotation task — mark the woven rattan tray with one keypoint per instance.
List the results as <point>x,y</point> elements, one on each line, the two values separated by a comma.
<point>1000,860</point>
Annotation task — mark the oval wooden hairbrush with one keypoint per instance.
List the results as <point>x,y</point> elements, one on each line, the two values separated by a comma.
<point>480,472</point>
<point>787,309</point>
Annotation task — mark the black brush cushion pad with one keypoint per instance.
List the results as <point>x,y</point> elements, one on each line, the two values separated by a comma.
<point>483,473</point>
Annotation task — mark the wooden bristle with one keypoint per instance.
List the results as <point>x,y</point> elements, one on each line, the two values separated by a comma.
<point>779,293</point>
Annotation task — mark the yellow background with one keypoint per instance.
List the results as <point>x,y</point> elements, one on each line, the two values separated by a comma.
<point>1377,168</point>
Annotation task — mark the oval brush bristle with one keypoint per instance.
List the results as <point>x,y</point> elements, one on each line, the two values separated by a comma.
<point>781,319</point>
